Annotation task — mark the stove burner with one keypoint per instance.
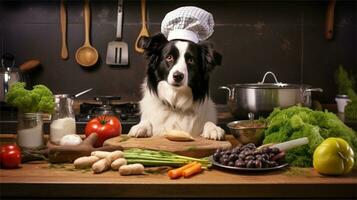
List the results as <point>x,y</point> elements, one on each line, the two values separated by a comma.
<point>128,111</point>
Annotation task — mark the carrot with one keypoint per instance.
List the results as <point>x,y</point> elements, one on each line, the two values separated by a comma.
<point>195,169</point>
<point>176,173</point>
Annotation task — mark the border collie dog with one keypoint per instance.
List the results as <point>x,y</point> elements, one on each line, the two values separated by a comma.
<point>176,89</point>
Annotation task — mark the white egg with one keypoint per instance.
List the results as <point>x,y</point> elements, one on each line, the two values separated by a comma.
<point>70,140</point>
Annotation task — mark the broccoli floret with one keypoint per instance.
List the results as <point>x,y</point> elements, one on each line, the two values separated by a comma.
<point>41,90</point>
<point>40,99</point>
<point>46,104</point>
<point>16,90</point>
<point>24,102</point>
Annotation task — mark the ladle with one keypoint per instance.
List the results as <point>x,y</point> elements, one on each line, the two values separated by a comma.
<point>86,55</point>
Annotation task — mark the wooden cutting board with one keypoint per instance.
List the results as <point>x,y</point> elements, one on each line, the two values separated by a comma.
<point>198,148</point>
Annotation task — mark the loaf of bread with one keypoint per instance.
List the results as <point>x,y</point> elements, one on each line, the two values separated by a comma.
<point>177,135</point>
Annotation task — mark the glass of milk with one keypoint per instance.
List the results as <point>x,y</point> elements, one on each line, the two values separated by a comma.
<point>62,121</point>
<point>30,130</point>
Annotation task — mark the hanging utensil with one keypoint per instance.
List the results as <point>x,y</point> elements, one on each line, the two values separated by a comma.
<point>330,15</point>
<point>83,92</point>
<point>63,18</point>
<point>144,31</point>
<point>87,55</point>
<point>9,74</point>
<point>29,65</point>
<point>117,51</point>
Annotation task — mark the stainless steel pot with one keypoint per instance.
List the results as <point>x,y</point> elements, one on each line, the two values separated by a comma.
<point>261,98</point>
<point>8,74</point>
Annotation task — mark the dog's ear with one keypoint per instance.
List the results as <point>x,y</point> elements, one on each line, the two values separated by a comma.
<point>153,44</point>
<point>210,56</point>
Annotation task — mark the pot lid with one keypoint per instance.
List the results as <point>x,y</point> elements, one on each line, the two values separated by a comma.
<point>276,85</point>
<point>270,86</point>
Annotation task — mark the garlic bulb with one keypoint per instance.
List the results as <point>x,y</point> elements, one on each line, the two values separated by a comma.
<point>70,140</point>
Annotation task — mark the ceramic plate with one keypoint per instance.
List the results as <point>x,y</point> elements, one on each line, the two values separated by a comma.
<point>247,169</point>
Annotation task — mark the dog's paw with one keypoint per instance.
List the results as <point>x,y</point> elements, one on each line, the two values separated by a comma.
<point>213,132</point>
<point>143,129</point>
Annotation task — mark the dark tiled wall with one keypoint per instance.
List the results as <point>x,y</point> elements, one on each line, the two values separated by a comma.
<point>286,37</point>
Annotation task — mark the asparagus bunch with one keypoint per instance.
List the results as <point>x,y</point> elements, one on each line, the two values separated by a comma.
<point>161,158</point>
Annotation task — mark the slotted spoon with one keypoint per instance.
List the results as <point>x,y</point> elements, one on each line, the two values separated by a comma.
<point>117,51</point>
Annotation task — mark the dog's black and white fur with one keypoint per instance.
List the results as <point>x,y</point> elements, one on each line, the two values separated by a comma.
<point>176,89</point>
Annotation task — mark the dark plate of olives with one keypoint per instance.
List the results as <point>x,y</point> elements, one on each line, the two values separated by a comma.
<point>249,158</point>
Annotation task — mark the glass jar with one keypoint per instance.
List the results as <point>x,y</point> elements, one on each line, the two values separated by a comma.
<point>30,130</point>
<point>63,120</point>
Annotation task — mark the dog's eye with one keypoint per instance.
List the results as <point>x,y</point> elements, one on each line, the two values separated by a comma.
<point>169,58</point>
<point>190,61</point>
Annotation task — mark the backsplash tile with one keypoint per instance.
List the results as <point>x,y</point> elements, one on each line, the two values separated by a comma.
<point>286,37</point>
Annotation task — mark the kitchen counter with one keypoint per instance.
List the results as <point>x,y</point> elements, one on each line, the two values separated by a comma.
<point>42,180</point>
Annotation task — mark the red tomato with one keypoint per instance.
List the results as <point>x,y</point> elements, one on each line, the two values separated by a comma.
<point>10,156</point>
<point>105,126</point>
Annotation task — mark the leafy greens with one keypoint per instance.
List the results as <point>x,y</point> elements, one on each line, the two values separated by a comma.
<point>296,122</point>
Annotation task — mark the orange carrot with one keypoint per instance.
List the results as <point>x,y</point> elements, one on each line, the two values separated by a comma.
<point>195,169</point>
<point>176,173</point>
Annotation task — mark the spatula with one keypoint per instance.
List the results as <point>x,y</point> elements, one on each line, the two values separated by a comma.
<point>117,51</point>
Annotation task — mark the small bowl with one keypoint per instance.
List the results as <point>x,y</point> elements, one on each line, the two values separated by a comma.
<point>245,132</point>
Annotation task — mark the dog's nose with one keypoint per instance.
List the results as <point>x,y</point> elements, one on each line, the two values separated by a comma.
<point>178,76</point>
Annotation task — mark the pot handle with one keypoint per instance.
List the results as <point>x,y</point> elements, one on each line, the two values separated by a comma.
<point>226,88</point>
<point>313,90</point>
<point>306,97</point>
<point>271,73</point>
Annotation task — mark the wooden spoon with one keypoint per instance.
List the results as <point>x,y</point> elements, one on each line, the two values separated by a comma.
<point>330,14</point>
<point>29,65</point>
<point>86,55</point>
<point>144,31</point>
<point>63,15</point>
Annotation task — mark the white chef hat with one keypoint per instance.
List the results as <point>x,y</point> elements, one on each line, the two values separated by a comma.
<point>188,23</point>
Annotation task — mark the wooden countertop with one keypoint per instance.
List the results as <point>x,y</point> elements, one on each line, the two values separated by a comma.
<point>40,179</point>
